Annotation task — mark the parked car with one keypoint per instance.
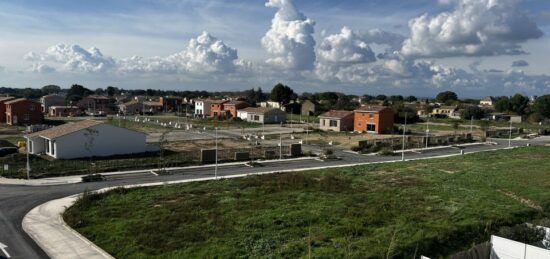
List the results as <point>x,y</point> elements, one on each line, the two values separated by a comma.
<point>4,151</point>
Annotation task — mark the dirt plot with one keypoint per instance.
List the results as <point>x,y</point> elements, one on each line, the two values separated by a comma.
<point>340,140</point>
<point>203,143</point>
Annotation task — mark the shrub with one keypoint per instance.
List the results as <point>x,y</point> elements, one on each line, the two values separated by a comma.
<point>93,178</point>
<point>386,152</point>
<point>522,233</point>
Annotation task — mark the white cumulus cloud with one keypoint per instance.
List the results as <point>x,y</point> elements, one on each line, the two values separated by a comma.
<point>74,58</point>
<point>42,68</point>
<point>289,42</point>
<point>473,28</point>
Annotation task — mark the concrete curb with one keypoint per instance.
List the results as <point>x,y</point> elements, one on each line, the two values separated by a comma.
<point>46,227</point>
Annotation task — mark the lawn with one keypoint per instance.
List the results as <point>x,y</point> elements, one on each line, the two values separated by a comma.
<point>396,210</point>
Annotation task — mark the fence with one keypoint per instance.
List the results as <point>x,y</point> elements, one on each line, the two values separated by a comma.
<point>417,141</point>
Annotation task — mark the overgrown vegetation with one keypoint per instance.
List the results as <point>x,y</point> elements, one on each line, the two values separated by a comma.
<point>398,210</point>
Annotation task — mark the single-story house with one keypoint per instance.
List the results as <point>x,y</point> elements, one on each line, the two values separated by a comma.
<point>84,138</point>
<point>262,115</point>
<point>336,120</point>
<point>487,101</point>
<point>444,111</point>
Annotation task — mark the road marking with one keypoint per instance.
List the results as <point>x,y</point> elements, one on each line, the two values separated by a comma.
<point>153,172</point>
<point>3,248</point>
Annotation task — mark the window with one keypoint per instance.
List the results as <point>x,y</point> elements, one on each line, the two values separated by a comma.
<point>31,107</point>
<point>359,124</point>
<point>47,144</point>
<point>256,117</point>
<point>333,123</point>
<point>26,117</point>
<point>53,147</point>
<point>324,122</point>
<point>371,115</point>
<point>363,114</point>
<point>371,127</point>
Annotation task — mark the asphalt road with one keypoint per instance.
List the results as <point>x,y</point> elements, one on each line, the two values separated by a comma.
<point>17,201</point>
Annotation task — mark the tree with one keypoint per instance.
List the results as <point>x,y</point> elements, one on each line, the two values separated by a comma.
<point>50,89</point>
<point>542,106</point>
<point>381,97</point>
<point>111,91</point>
<point>77,92</point>
<point>447,96</point>
<point>282,93</point>
<point>396,98</point>
<point>472,111</point>
<point>519,104</point>
<point>99,91</point>
<point>411,98</point>
<point>502,104</point>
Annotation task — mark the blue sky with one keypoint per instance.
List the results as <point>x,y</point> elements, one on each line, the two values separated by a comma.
<point>351,46</point>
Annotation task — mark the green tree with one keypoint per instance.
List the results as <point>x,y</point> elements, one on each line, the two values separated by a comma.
<point>411,98</point>
<point>502,104</point>
<point>542,106</point>
<point>519,104</point>
<point>282,93</point>
<point>447,96</point>
<point>111,91</point>
<point>77,92</point>
<point>381,97</point>
<point>472,111</point>
<point>50,89</point>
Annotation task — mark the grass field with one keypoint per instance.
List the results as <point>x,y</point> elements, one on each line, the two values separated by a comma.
<point>396,210</point>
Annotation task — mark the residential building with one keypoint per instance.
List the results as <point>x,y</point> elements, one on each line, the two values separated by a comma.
<point>373,118</point>
<point>3,101</point>
<point>52,100</point>
<point>336,120</point>
<point>86,138</point>
<point>262,115</point>
<point>97,104</point>
<point>131,107</point>
<point>23,111</point>
<point>171,103</point>
<point>487,101</point>
<point>309,107</point>
<point>271,104</point>
<point>232,107</point>
<point>152,107</point>
<point>444,111</point>
<point>202,107</point>
<point>216,108</point>
<point>64,111</point>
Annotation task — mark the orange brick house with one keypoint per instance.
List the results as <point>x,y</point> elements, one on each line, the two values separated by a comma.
<point>3,101</point>
<point>216,108</point>
<point>373,118</point>
<point>23,111</point>
<point>232,107</point>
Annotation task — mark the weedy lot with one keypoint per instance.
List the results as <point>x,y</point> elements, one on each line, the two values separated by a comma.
<point>397,210</point>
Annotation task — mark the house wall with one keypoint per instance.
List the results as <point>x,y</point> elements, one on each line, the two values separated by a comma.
<point>233,109</point>
<point>52,100</point>
<point>36,145</point>
<point>109,141</point>
<point>25,112</point>
<point>308,108</point>
<point>243,115</point>
<point>383,120</point>
<point>275,116</point>
<point>343,124</point>
<point>216,110</point>
<point>3,109</point>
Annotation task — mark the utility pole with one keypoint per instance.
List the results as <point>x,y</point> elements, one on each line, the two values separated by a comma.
<point>216,166</point>
<point>280,146</point>
<point>28,160</point>
<point>427,132</point>
<point>307,129</point>
<point>471,124</point>
<point>510,136</point>
<point>403,144</point>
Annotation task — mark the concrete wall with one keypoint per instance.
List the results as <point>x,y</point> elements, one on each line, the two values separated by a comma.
<point>110,140</point>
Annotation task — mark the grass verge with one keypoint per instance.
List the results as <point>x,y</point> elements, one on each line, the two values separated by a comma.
<point>396,210</point>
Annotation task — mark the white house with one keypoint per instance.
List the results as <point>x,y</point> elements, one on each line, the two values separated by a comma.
<point>487,101</point>
<point>202,107</point>
<point>262,115</point>
<point>84,138</point>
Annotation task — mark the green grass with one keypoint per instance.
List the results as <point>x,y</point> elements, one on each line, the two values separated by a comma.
<point>431,207</point>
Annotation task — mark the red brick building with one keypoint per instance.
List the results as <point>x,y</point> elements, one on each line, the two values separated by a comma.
<point>373,118</point>
<point>3,101</point>
<point>232,107</point>
<point>23,111</point>
<point>216,108</point>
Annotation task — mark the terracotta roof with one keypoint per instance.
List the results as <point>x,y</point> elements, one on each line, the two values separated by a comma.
<point>6,98</point>
<point>257,109</point>
<point>66,129</point>
<point>150,103</point>
<point>371,108</point>
<point>218,101</point>
<point>16,100</point>
<point>336,114</point>
<point>235,102</point>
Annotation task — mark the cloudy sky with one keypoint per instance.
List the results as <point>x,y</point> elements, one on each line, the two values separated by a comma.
<point>421,47</point>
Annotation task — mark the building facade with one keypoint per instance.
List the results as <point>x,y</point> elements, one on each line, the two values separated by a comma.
<point>263,115</point>
<point>373,119</point>
<point>231,108</point>
<point>64,111</point>
<point>23,111</point>
<point>336,120</point>
<point>49,100</point>
<point>3,101</point>
<point>202,107</point>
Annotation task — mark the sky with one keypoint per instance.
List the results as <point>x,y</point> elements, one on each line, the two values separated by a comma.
<point>417,47</point>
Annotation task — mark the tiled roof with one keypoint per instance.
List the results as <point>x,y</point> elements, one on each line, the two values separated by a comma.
<point>234,102</point>
<point>16,100</point>
<point>6,98</point>
<point>371,108</point>
<point>336,114</point>
<point>257,109</point>
<point>217,101</point>
<point>66,129</point>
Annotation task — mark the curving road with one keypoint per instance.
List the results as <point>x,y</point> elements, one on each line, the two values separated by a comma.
<point>17,201</point>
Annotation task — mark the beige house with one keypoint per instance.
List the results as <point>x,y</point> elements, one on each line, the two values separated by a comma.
<point>445,111</point>
<point>336,121</point>
<point>487,101</point>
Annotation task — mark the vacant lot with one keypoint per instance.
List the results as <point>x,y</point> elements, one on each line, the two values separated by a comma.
<point>397,210</point>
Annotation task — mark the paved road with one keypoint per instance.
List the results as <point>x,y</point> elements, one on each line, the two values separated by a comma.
<point>17,201</point>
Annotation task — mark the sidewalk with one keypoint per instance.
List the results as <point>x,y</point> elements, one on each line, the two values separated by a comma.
<point>78,178</point>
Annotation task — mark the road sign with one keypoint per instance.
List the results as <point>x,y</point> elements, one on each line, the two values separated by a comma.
<point>3,248</point>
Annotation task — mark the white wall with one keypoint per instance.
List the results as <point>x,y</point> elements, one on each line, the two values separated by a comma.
<point>508,249</point>
<point>242,115</point>
<point>110,140</point>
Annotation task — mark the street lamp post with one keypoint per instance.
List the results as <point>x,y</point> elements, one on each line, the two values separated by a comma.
<point>28,159</point>
<point>216,166</point>
<point>280,146</point>
<point>510,136</point>
<point>403,146</point>
<point>427,132</point>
